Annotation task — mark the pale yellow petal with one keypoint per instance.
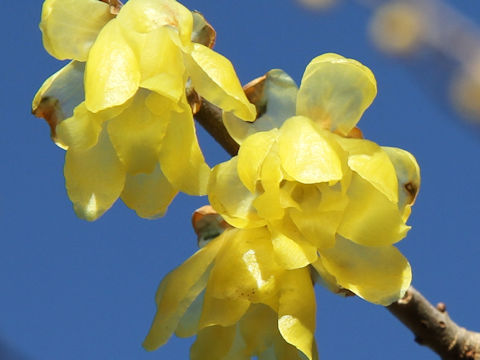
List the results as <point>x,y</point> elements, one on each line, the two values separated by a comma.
<point>378,274</point>
<point>228,195</point>
<point>335,92</point>
<point>188,324</point>
<point>94,178</point>
<point>58,97</point>
<point>137,134</point>
<point>148,194</point>
<point>408,175</point>
<point>70,27</point>
<point>251,156</point>
<point>258,328</point>
<point>296,312</point>
<point>222,312</point>
<point>278,101</point>
<point>213,343</point>
<point>145,16</point>
<point>214,78</point>
<point>292,253</point>
<point>112,75</point>
<point>177,292</point>
<point>370,218</point>
<point>245,268</point>
<point>309,154</point>
<point>81,131</point>
<point>181,158</point>
<point>372,163</point>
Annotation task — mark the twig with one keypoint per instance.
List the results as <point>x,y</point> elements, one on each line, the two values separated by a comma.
<point>431,325</point>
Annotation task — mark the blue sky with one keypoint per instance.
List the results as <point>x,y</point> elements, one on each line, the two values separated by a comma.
<point>78,290</point>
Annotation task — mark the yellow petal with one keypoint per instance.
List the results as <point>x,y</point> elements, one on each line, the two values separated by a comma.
<point>145,16</point>
<point>148,194</point>
<point>245,268</point>
<point>222,312</point>
<point>177,292</point>
<point>112,75</point>
<point>258,328</point>
<point>335,92</point>
<point>292,254</point>
<point>377,274</point>
<point>279,98</point>
<point>373,164</point>
<point>296,312</point>
<point>370,218</point>
<point>309,154</point>
<point>94,178</point>
<point>137,134</point>
<point>251,156</point>
<point>181,158</point>
<point>188,324</point>
<point>70,27</point>
<point>408,175</point>
<point>228,195</point>
<point>214,78</point>
<point>81,131</point>
<point>319,214</point>
<point>58,97</point>
<point>213,343</point>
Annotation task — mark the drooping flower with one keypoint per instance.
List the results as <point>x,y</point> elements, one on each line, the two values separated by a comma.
<point>328,197</point>
<point>238,300</point>
<point>120,107</point>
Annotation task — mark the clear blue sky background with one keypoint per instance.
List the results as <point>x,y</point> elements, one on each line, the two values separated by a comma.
<point>70,289</point>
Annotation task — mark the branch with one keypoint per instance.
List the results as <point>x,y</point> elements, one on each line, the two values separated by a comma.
<point>210,117</point>
<point>431,325</point>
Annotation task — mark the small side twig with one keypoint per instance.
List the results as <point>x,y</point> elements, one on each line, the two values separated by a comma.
<point>433,327</point>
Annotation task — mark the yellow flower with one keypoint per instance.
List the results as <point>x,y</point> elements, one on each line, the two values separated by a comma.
<point>238,300</point>
<point>128,126</point>
<point>336,202</point>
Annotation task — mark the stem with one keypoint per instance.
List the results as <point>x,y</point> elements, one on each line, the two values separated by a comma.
<point>431,325</point>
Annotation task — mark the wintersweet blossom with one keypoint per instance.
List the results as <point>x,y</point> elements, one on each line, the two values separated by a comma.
<point>120,107</point>
<point>336,202</point>
<point>239,302</point>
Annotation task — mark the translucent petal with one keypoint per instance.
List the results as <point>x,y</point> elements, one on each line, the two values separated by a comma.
<point>373,164</point>
<point>181,158</point>
<point>370,218</point>
<point>81,131</point>
<point>223,312</point>
<point>408,175</point>
<point>245,268</point>
<point>94,178</point>
<point>278,101</point>
<point>335,92</point>
<point>148,194</point>
<point>112,75</point>
<point>251,156</point>
<point>258,328</point>
<point>213,343</point>
<point>296,312</point>
<point>137,134</point>
<point>144,16</point>
<point>228,195</point>
<point>214,78</point>
<point>188,324</point>
<point>178,290</point>
<point>320,213</point>
<point>292,254</point>
<point>59,95</point>
<point>377,274</point>
<point>309,154</point>
<point>70,27</point>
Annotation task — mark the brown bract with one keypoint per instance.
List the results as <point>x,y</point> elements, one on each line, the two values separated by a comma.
<point>115,6</point>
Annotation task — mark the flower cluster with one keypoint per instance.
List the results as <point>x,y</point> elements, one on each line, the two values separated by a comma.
<point>120,107</point>
<point>329,198</point>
